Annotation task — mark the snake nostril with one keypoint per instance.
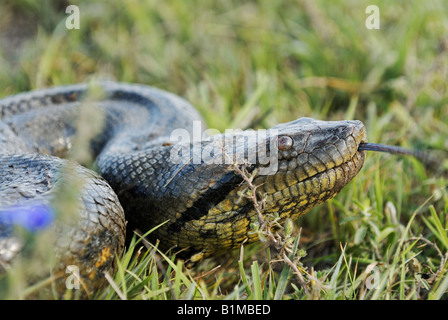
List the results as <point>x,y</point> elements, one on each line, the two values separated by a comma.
<point>284,143</point>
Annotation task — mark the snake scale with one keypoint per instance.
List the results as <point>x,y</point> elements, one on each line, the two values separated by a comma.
<point>198,204</point>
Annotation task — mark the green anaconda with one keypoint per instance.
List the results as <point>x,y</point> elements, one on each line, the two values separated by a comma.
<point>147,176</point>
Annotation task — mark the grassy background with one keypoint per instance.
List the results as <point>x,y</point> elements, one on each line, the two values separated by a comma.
<point>255,64</point>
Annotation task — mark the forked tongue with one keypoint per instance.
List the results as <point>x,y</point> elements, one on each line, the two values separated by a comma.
<point>424,156</point>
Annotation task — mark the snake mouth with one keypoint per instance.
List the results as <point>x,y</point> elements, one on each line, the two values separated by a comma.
<point>312,177</point>
<point>292,200</point>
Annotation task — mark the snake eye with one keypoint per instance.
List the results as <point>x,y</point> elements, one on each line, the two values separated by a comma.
<point>284,143</point>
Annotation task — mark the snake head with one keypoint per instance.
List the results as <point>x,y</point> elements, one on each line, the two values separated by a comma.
<point>293,166</point>
<point>316,159</point>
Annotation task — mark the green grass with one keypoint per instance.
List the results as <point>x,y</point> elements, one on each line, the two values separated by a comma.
<point>259,63</point>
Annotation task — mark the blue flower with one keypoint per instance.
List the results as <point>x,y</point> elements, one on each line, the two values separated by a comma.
<point>31,217</point>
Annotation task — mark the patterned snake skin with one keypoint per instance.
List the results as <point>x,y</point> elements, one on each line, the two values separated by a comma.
<point>147,178</point>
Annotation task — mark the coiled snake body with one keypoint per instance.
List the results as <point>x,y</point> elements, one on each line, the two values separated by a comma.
<point>196,200</point>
